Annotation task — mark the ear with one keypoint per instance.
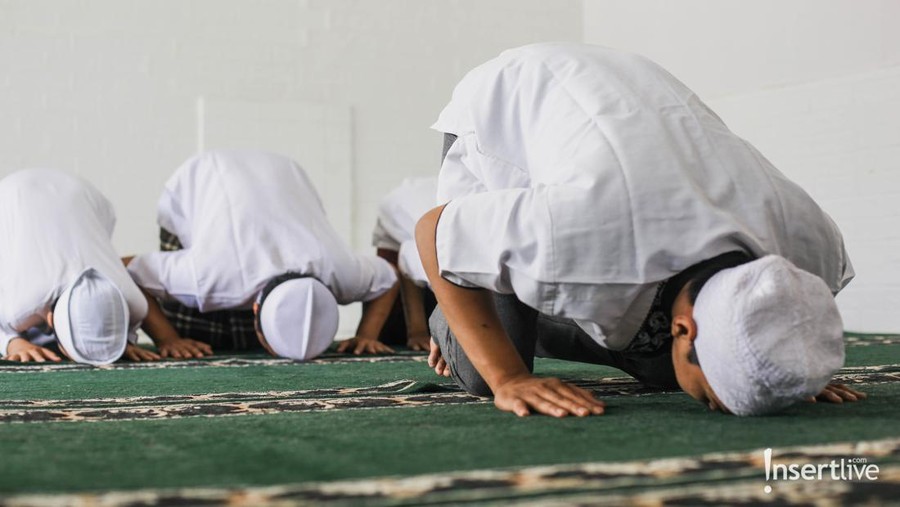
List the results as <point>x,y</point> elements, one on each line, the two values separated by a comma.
<point>255,308</point>
<point>684,327</point>
<point>50,319</point>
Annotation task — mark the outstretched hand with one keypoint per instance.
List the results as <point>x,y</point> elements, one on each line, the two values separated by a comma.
<point>358,346</point>
<point>436,360</point>
<point>183,348</point>
<point>22,350</point>
<point>549,396</point>
<point>838,393</point>
<point>418,342</point>
<point>137,354</point>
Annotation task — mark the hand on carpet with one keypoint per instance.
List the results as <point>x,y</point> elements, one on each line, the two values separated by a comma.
<point>360,345</point>
<point>22,350</point>
<point>183,348</point>
<point>548,396</point>
<point>436,360</point>
<point>838,393</point>
<point>138,354</point>
<point>418,341</point>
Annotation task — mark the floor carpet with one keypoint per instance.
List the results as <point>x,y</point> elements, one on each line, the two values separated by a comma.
<point>251,430</point>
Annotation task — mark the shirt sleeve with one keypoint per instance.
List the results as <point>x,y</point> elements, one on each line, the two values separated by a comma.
<point>498,240</point>
<point>166,275</point>
<point>370,277</point>
<point>381,238</point>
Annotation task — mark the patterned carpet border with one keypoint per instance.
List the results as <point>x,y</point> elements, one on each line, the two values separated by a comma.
<point>852,340</point>
<point>711,479</point>
<point>397,394</point>
<point>219,362</point>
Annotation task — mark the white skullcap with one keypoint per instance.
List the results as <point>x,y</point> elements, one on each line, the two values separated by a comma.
<point>768,335</point>
<point>91,319</point>
<point>299,318</point>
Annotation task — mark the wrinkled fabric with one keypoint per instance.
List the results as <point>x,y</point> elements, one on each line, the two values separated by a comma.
<point>55,225</point>
<point>243,218</point>
<point>398,213</point>
<point>584,176</point>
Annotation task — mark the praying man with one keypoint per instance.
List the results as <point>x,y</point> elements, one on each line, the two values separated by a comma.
<point>250,259</point>
<point>62,282</point>
<point>596,210</point>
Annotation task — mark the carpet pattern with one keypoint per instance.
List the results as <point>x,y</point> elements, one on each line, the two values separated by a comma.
<point>710,479</point>
<point>343,430</point>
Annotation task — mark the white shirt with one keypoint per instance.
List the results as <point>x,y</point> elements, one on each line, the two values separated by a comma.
<point>55,225</point>
<point>398,213</point>
<point>583,176</point>
<point>243,218</point>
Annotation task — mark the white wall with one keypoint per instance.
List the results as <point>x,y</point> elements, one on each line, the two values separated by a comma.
<point>112,89</point>
<point>815,85</point>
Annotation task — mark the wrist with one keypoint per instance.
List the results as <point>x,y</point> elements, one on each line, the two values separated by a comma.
<point>509,379</point>
<point>166,339</point>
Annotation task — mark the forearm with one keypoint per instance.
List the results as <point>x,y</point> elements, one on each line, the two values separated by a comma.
<point>376,312</point>
<point>156,325</point>
<point>470,313</point>
<point>413,308</point>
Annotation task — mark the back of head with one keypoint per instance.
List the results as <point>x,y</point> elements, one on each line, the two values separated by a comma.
<point>91,319</point>
<point>299,318</point>
<point>768,335</point>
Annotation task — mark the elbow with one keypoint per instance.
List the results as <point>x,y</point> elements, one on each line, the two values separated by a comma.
<point>426,233</point>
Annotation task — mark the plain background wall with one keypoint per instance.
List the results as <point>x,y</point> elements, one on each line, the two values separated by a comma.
<point>815,85</point>
<point>123,91</point>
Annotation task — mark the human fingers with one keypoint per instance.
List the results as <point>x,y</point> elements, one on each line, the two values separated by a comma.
<point>844,391</point>
<point>36,355</point>
<point>204,347</point>
<point>343,346</point>
<point>434,355</point>
<point>192,350</point>
<point>174,353</point>
<point>546,402</point>
<point>49,354</point>
<point>828,395</point>
<point>131,354</point>
<point>512,404</point>
<point>148,355</point>
<point>578,404</point>
<point>385,348</point>
<point>599,405</point>
<point>440,366</point>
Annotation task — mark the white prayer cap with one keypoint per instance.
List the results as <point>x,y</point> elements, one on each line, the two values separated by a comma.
<point>91,319</point>
<point>299,318</point>
<point>768,335</point>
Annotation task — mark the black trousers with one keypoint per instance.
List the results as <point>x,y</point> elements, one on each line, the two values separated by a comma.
<point>537,335</point>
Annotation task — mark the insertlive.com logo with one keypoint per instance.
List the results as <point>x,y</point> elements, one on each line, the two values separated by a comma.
<point>844,469</point>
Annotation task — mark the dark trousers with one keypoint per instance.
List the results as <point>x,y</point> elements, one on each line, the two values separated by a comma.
<point>534,334</point>
<point>537,335</point>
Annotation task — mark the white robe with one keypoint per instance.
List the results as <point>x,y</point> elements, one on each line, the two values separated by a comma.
<point>54,225</point>
<point>583,176</point>
<point>398,213</point>
<point>243,218</point>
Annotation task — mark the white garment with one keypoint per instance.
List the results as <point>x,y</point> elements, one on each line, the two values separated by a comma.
<point>398,213</point>
<point>583,176</point>
<point>55,225</point>
<point>243,218</point>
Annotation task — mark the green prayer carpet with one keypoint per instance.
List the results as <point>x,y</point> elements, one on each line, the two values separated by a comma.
<point>386,430</point>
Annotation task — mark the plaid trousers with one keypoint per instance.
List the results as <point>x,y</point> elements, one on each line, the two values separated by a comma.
<point>222,330</point>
